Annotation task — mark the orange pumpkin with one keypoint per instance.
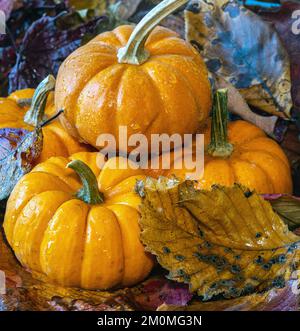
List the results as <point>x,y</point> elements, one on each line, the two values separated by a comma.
<point>150,81</point>
<point>16,112</point>
<point>241,153</point>
<point>88,239</point>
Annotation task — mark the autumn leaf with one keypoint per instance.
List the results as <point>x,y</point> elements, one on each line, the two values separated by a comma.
<point>156,292</point>
<point>287,207</point>
<point>44,47</point>
<point>284,299</point>
<point>243,49</point>
<point>19,149</point>
<point>23,15</point>
<point>285,22</point>
<point>226,241</point>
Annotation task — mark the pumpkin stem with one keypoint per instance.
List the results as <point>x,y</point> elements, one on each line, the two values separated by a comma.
<point>219,145</point>
<point>89,193</point>
<point>134,52</point>
<point>36,112</point>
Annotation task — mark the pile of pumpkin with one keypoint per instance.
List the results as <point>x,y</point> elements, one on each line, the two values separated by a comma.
<point>77,225</point>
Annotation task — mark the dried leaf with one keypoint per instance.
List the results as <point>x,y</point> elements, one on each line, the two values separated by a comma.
<point>287,207</point>
<point>44,47</point>
<point>226,241</point>
<point>19,149</point>
<point>286,23</point>
<point>26,293</point>
<point>273,300</point>
<point>156,292</point>
<point>23,15</point>
<point>243,49</point>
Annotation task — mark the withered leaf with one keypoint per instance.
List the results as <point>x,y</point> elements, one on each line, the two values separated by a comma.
<point>284,299</point>
<point>286,23</point>
<point>243,49</point>
<point>44,47</point>
<point>288,208</point>
<point>19,149</point>
<point>226,241</point>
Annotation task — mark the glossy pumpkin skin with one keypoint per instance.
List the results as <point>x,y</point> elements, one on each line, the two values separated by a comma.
<point>257,162</point>
<point>73,243</point>
<point>169,93</point>
<point>57,142</point>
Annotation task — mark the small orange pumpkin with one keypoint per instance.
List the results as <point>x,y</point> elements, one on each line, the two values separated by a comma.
<point>27,108</point>
<point>88,239</point>
<point>241,153</point>
<point>151,83</point>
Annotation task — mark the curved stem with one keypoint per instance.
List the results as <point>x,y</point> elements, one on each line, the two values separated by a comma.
<point>36,112</point>
<point>134,52</point>
<point>89,193</point>
<point>219,145</point>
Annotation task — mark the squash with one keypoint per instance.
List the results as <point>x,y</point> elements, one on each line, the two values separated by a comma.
<point>28,108</point>
<point>88,239</point>
<point>148,80</point>
<point>238,152</point>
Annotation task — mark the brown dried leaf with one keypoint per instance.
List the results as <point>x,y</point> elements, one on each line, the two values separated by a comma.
<point>288,208</point>
<point>226,241</point>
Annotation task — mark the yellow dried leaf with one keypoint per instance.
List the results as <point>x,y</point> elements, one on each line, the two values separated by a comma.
<point>226,241</point>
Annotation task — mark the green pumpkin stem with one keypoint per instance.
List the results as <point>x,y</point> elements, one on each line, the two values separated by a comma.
<point>89,193</point>
<point>35,114</point>
<point>219,145</point>
<point>134,52</point>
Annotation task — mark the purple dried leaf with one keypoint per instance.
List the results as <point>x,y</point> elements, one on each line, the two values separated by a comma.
<point>43,49</point>
<point>159,291</point>
<point>23,15</point>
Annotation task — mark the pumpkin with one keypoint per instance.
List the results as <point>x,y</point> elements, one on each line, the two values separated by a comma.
<point>238,152</point>
<point>146,79</point>
<point>88,239</point>
<point>28,108</point>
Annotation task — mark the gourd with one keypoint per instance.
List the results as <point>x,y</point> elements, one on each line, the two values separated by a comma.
<point>145,78</point>
<point>28,108</point>
<point>236,152</point>
<point>75,225</point>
